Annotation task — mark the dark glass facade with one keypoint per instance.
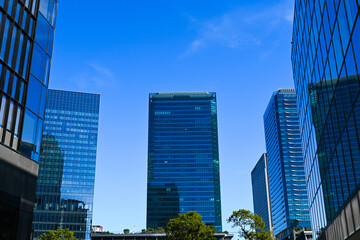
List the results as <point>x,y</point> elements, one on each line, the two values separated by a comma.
<point>326,66</point>
<point>260,190</point>
<point>65,186</point>
<point>183,158</point>
<point>288,195</point>
<point>26,41</point>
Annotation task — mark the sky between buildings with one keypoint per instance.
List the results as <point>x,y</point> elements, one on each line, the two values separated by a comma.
<point>126,49</point>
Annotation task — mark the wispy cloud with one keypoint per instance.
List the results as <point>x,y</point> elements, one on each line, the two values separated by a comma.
<point>94,75</point>
<point>241,28</point>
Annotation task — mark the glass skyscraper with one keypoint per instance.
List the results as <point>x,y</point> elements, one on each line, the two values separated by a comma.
<point>288,195</point>
<point>326,67</point>
<point>26,41</point>
<point>65,186</point>
<point>183,158</point>
<point>260,190</point>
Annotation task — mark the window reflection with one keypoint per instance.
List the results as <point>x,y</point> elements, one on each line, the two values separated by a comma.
<point>33,95</point>
<point>42,31</point>
<point>37,65</point>
<point>27,145</point>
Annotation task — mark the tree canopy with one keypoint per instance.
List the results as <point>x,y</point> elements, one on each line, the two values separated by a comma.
<point>251,225</point>
<point>59,234</point>
<point>189,226</point>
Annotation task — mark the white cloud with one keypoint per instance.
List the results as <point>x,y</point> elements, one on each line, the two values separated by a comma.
<point>94,75</point>
<point>243,27</point>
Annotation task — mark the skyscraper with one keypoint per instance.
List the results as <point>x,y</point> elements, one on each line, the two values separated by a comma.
<point>261,192</point>
<point>65,186</point>
<point>288,195</point>
<point>183,158</point>
<point>326,66</point>
<point>26,41</point>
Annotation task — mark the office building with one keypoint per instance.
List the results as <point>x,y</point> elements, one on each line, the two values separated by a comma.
<point>288,195</point>
<point>326,65</point>
<point>183,158</point>
<point>65,186</point>
<point>26,41</point>
<point>261,192</point>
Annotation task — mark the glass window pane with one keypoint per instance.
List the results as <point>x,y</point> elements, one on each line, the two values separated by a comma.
<point>14,85</point>
<point>13,38</point>
<point>47,71</point>
<point>10,113</point>
<point>19,52</point>
<point>50,41</point>
<point>38,135</point>
<point>7,79</point>
<point>11,3</point>
<point>3,46</point>
<point>38,60</point>
<point>2,108</point>
<point>42,31</point>
<point>28,134</point>
<point>24,70</point>
<point>33,95</point>
<point>24,20</point>
<point>21,95</point>
<point>42,103</point>
<point>45,8</point>
<point>54,11</point>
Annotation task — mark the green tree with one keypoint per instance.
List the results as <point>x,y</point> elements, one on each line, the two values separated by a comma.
<point>189,226</point>
<point>251,225</point>
<point>59,234</point>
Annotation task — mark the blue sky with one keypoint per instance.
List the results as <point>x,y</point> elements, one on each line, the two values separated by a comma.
<point>125,50</point>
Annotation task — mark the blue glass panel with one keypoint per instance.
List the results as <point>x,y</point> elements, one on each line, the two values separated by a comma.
<point>10,6</point>
<point>18,7</point>
<point>2,3</point>
<point>3,44</point>
<point>24,20</point>
<point>2,110</point>
<point>19,52</point>
<point>10,115</point>
<point>31,24</point>
<point>42,103</point>
<point>47,70</point>
<point>45,8</point>
<point>14,86</point>
<point>18,115</point>
<point>33,95</point>
<point>7,80</point>
<point>54,11</point>
<point>27,145</point>
<point>38,135</point>
<point>38,62</point>
<point>21,95</point>
<point>27,49</point>
<point>42,32</point>
<point>50,41</point>
<point>13,38</point>
<point>356,43</point>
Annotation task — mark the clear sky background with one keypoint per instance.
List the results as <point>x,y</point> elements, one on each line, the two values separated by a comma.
<point>126,49</point>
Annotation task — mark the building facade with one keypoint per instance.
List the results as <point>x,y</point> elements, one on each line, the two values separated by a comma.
<point>261,192</point>
<point>65,186</point>
<point>148,236</point>
<point>26,41</point>
<point>288,194</point>
<point>326,66</point>
<point>183,158</point>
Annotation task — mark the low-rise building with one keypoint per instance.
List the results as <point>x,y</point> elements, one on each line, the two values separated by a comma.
<point>148,236</point>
